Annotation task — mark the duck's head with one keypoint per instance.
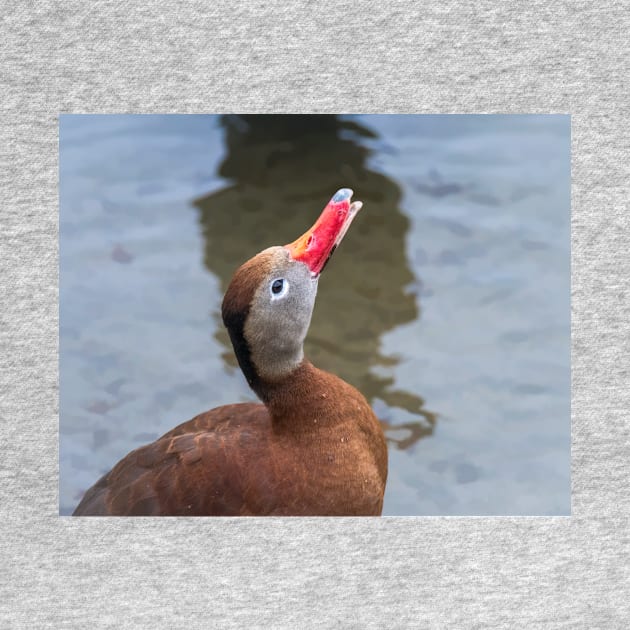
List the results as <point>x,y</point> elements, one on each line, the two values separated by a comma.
<point>268,306</point>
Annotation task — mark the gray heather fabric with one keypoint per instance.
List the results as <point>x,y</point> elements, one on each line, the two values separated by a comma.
<point>324,57</point>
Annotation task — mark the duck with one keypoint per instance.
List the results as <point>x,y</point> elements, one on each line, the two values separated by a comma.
<point>312,446</point>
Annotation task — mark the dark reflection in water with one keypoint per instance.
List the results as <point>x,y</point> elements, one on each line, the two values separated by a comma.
<point>283,170</point>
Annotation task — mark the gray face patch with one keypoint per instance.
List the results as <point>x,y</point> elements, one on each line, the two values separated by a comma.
<point>279,315</point>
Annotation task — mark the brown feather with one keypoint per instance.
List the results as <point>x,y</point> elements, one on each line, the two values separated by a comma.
<point>237,460</point>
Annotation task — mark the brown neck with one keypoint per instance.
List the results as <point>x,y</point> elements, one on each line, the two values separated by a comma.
<point>304,398</point>
<point>309,399</point>
<point>281,395</point>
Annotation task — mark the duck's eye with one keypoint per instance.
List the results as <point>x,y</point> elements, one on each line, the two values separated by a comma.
<point>279,288</point>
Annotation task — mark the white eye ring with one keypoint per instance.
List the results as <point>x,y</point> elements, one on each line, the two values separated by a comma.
<point>281,289</point>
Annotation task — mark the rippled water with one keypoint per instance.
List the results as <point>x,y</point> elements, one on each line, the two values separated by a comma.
<point>447,304</point>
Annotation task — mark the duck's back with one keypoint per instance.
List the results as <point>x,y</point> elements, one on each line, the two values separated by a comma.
<point>194,469</point>
<point>232,461</point>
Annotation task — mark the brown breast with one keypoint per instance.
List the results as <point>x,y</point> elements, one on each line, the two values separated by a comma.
<point>316,449</point>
